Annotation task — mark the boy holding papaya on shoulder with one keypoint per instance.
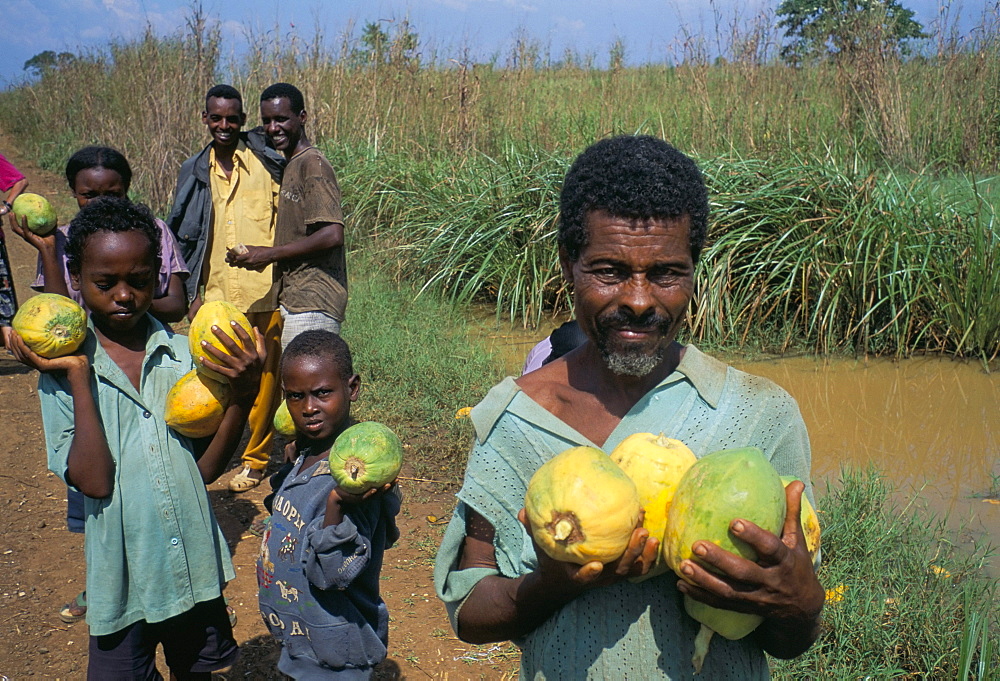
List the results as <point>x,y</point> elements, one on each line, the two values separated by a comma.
<point>156,559</point>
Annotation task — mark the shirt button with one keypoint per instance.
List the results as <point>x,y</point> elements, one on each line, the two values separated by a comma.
<point>146,414</point>
<point>173,541</point>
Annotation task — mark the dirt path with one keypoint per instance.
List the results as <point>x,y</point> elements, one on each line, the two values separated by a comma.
<point>42,564</point>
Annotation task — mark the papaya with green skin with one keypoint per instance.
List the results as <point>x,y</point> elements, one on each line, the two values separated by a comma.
<point>582,507</point>
<point>720,487</point>
<point>282,421</point>
<point>35,211</point>
<point>216,313</point>
<point>51,325</point>
<point>656,464</point>
<point>365,456</point>
<point>196,404</point>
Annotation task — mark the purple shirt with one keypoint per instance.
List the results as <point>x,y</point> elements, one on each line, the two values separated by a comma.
<point>171,262</point>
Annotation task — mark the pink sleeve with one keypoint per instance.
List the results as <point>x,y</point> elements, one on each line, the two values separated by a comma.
<point>171,261</point>
<point>9,175</point>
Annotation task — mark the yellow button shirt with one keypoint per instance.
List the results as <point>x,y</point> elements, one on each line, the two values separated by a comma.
<point>243,210</point>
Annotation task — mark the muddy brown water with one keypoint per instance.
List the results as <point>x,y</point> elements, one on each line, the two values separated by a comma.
<point>931,425</point>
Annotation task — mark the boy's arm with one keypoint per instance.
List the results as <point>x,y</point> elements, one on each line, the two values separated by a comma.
<point>171,306</point>
<point>89,466</point>
<point>324,236</point>
<point>53,278</point>
<point>340,544</point>
<point>242,366</point>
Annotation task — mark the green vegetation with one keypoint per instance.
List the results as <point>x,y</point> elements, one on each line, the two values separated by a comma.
<point>905,598</point>
<point>850,213</point>
<point>417,366</point>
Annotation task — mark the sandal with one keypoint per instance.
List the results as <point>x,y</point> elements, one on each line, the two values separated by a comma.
<point>245,480</point>
<point>76,610</point>
<point>259,527</point>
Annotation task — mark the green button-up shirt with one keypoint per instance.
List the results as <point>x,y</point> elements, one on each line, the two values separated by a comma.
<point>153,547</point>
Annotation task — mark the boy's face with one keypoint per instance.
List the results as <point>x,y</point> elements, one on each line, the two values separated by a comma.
<point>224,118</point>
<point>117,279</point>
<point>282,125</point>
<point>318,397</point>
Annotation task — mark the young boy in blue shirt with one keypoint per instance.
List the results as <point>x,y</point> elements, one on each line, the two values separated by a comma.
<point>318,570</point>
<point>156,559</point>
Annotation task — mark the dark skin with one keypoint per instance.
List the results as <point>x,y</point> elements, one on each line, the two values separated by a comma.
<point>287,131</point>
<point>319,400</point>
<point>89,184</point>
<point>116,279</point>
<point>642,270</point>
<point>224,119</point>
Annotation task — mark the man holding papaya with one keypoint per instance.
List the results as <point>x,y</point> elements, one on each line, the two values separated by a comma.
<point>227,195</point>
<point>633,219</point>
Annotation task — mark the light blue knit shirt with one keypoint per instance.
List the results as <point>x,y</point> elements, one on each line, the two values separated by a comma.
<point>624,631</point>
<point>153,547</point>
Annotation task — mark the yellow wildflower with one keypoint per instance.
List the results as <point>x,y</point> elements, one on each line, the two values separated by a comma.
<point>836,593</point>
<point>463,413</point>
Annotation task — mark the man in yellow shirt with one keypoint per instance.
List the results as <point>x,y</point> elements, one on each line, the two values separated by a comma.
<point>226,196</point>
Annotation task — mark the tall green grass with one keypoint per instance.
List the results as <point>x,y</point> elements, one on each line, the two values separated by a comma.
<point>144,97</point>
<point>905,598</point>
<point>802,253</point>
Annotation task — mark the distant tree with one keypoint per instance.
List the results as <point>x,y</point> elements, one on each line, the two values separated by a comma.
<point>47,60</point>
<point>378,47</point>
<point>818,29</point>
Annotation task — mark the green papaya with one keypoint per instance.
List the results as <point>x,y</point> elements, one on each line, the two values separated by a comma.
<point>719,487</point>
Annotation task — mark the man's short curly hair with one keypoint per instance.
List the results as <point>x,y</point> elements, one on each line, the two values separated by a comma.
<point>320,344</point>
<point>631,176</point>
<point>287,90</point>
<point>109,214</point>
<point>223,91</point>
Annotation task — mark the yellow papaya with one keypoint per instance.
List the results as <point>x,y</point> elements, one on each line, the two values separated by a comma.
<point>809,520</point>
<point>656,464</point>
<point>582,507</point>
<point>196,404</point>
<point>216,313</point>
<point>51,325</point>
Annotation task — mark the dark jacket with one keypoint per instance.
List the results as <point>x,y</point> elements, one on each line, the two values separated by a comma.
<point>191,216</point>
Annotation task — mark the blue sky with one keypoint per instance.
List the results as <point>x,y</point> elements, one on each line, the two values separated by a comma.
<point>652,30</point>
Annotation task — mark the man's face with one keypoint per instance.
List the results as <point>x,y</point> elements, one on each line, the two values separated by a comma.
<point>632,282</point>
<point>224,118</point>
<point>282,125</point>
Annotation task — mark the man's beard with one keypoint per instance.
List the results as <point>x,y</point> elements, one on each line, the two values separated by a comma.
<point>632,360</point>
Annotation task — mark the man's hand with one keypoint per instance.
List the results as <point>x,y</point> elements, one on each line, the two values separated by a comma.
<point>76,361</point>
<point>639,557</point>
<point>781,585</point>
<point>242,363</point>
<point>250,257</point>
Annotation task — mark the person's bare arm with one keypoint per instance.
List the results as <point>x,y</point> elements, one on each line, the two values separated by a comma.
<point>500,609</point>
<point>242,365</point>
<point>16,190</point>
<point>325,236</point>
<point>90,467</point>
<point>171,306</point>
<point>781,586</point>
<point>48,256</point>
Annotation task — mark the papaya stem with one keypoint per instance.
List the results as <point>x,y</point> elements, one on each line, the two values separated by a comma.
<point>562,530</point>
<point>701,642</point>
